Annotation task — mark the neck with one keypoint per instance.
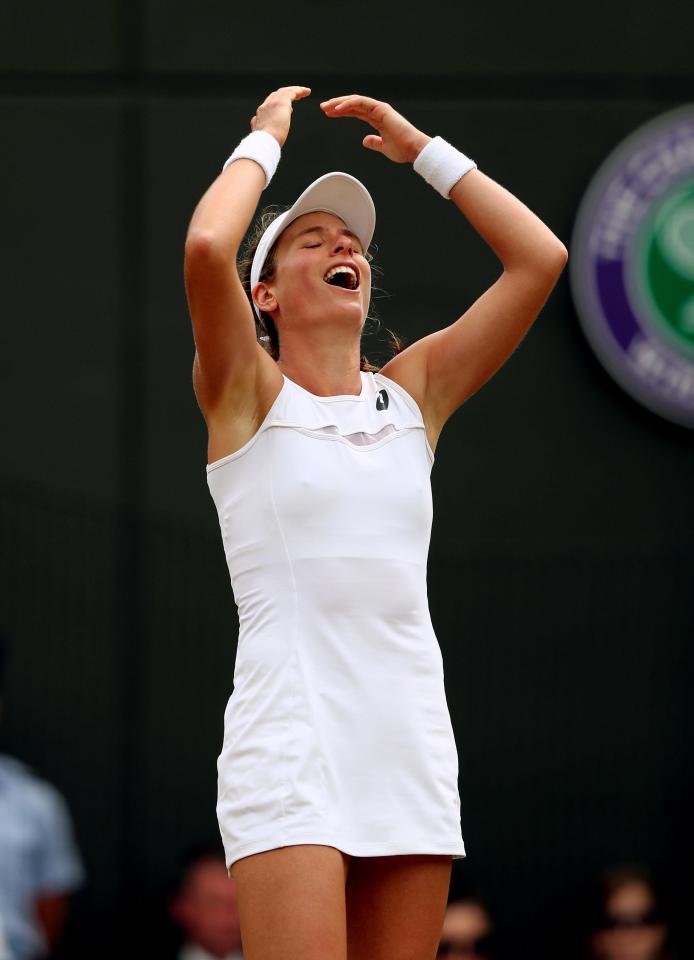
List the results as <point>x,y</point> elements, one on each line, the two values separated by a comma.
<point>326,372</point>
<point>322,351</point>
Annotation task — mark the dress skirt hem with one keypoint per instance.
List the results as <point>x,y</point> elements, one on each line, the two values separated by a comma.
<point>455,850</point>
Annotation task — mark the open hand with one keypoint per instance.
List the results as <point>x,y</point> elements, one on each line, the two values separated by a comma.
<point>397,139</point>
<point>275,112</point>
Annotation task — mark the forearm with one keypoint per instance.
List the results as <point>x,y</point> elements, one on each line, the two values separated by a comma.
<point>225,211</point>
<point>516,235</point>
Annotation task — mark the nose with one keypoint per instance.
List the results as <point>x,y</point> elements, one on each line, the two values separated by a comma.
<point>344,242</point>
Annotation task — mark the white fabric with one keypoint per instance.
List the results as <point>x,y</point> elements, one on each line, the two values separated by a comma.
<point>442,165</point>
<point>262,147</point>
<point>192,951</point>
<point>337,731</point>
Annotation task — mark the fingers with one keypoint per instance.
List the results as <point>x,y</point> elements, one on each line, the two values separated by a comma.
<point>353,102</point>
<point>334,101</point>
<point>293,92</point>
<point>371,111</point>
<point>372,142</point>
<point>275,112</point>
<point>298,93</point>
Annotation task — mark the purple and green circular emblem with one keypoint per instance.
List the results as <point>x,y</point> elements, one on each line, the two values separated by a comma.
<point>632,265</point>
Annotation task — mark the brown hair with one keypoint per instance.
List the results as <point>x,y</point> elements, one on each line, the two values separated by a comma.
<point>265,328</point>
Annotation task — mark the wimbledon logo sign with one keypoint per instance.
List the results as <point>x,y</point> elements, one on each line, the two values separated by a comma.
<point>632,265</point>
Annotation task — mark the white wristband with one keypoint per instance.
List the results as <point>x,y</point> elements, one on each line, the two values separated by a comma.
<point>262,147</point>
<point>442,165</point>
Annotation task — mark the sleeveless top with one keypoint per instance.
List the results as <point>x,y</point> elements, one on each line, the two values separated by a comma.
<point>337,730</point>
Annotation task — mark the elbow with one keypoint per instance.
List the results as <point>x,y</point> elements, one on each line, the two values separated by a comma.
<point>552,260</point>
<point>545,259</point>
<point>206,245</point>
<point>557,254</point>
<point>560,256</point>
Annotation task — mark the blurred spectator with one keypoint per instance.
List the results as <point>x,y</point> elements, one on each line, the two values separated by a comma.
<point>40,864</point>
<point>466,931</point>
<point>205,909</point>
<point>627,922</point>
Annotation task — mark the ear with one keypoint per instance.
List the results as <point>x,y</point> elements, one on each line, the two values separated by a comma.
<point>264,298</point>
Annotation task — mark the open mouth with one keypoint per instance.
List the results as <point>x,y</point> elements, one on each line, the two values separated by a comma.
<point>342,276</point>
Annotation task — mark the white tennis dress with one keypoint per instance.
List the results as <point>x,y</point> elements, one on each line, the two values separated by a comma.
<point>337,731</point>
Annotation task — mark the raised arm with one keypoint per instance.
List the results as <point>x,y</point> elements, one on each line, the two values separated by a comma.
<point>448,366</point>
<point>226,346</point>
<point>464,355</point>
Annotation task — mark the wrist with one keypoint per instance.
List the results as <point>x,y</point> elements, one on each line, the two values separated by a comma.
<point>419,144</point>
<point>442,166</point>
<point>269,130</point>
<point>261,147</point>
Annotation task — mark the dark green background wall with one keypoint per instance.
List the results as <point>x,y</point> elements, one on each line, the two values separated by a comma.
<point>560,574</point>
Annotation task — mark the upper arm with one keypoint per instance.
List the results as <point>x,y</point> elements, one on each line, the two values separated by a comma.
<point>223,323</point>
<point>460,358</point>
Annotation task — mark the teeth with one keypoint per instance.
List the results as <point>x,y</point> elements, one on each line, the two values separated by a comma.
<point>342,269</point>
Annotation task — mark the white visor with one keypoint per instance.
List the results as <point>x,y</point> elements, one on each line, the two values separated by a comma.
<point>338,193</point>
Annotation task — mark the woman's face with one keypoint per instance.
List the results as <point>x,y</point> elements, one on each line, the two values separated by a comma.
<point>321,273</point>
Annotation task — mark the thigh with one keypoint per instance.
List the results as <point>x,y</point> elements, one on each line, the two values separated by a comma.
<point>292,903</point>
<point>395,906</point>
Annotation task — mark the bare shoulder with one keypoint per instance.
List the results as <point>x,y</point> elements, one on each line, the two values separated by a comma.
<point>408,369</point>
<point>234,421</point>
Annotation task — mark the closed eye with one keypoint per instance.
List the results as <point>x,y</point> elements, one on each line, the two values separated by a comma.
<point>312,245</point>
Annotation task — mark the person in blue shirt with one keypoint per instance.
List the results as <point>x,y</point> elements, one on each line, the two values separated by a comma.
<point>40,864</point>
